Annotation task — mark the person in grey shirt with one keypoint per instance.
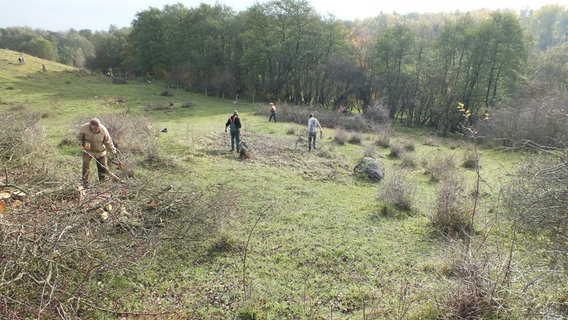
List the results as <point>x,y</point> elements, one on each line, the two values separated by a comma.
<point>313,125</point>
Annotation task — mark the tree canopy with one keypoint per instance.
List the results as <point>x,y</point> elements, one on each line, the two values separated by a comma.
<point>418,66</point>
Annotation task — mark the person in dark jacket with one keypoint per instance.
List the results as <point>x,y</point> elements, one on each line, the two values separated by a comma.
<point>234,124</point>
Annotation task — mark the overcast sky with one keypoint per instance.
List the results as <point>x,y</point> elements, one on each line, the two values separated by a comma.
<point>60,15</point>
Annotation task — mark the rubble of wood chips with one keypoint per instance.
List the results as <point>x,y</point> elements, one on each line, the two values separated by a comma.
<point>14,199</point>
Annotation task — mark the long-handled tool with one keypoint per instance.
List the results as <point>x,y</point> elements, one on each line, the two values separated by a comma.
<point>119,162</point>
<point>117,178</point>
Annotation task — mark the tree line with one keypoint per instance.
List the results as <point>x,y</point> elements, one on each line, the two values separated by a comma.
<point>416,65</point>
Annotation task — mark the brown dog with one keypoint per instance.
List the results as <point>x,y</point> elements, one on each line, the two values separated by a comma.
<point>243,150</point>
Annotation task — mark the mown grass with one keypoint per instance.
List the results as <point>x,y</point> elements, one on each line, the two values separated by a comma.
<point>320,247</point>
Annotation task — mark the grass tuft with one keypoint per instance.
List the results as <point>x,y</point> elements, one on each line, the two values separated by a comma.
<point>340,136</point>
<point>452,209</point>
<point>440,167</point>
<point>397,194</point>
<point>355,138</point>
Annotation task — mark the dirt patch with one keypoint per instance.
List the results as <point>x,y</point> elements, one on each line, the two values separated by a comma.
<point>282,152</point>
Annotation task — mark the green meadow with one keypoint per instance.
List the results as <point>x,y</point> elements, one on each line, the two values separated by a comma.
<point>286,234</point>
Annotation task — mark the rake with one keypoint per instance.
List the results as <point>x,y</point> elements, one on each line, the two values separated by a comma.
<point>110,173</point>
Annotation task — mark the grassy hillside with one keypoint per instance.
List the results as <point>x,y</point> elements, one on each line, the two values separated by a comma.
<point>296,235</point>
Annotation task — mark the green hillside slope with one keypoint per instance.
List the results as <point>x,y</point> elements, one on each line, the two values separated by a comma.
<point>196,232</point>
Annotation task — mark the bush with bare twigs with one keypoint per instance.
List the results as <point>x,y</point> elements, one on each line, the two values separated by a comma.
<point>478,282</point>
<point>129,132</point>
<point>355,138</point>
<point>375,119</point>
<point>340,136</point>
<point>369,151</point>
<point>480,279</point>
<point>159,107</point>
<point>24,148</point>
<point>538,197</point>
<point>409,145</point>
<point>134,137</point>
<point>470,158</point>
<point>189,104</point>
<point>21,138</point>
<point>538,114</point>
<point>451,215</point>
<point>397,194</point>
<point>402,147</point>
<point>409,161</point>
<point>431,141</point>
<point>396,151</point>
<point>383,140</point>
<point>439,167</point>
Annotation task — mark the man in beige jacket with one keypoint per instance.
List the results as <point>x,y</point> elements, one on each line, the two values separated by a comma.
<point>95,140</point>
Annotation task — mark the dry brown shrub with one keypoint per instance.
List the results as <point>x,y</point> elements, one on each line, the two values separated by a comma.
<point>22,140</point>
<point>340,136</point>
<point>409,161</point>
<point>130,133</point>
<point>439,167</point>
<point>396,151</point>
<point>291,130</point>
<point>409,145</point>
<point>369,151</point>
<point>114,100</point>
<point>189,104</point>
<point>452,208</point>
<point>369,122</point>
<point>119,80</point>
<point>383,140</point>
<point>397,193</point>
<point>158,107</point>
<point>470,160</point>
<point>538,113</point>
<point>537,198</point>
<point>476,286</point>
<point>431,141</point>
<point>355,138</point>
